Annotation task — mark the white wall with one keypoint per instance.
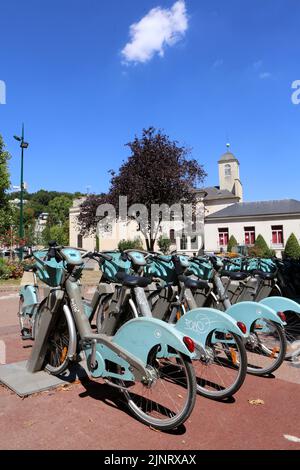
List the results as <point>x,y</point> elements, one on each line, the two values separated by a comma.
<point>88,243</point>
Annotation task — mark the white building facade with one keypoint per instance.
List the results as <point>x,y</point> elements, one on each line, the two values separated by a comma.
<point>274,220</point>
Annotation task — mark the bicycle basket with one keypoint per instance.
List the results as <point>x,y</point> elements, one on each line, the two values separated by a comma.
<point>116,264</point>
<point>203,270</point>
<point>50,272</point>
<point>162,268</point>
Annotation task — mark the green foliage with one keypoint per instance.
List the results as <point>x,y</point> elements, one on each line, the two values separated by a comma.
<point>16,269</point>
<point>6,209</point>
<point>135,244</point>
<point>261,249</point>
<point>292,248</point>
<point>232,244</point>
<point>10,269</point>
<point>164,244</point>
<point>58,209</point>
<point>60,233</point>
<point>4,269</point>
<point>39,202</point>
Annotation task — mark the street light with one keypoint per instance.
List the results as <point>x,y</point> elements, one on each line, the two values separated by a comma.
<point>23,145</point>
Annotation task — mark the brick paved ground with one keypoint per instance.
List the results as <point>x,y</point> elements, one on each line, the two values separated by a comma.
<point>91,416</point>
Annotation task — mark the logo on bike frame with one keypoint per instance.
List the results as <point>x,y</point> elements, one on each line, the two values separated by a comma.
<point>200,326</point>
<point>74,306</point>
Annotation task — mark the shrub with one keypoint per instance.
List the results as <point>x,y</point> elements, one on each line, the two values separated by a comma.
<point>292,248</point>
<point>16,269</point>
<point>261,249</point>
<point>4,269</point>
<point>232,244</point>
<point>164,244</point>
<point>135,244</point>
<point>10,269</point>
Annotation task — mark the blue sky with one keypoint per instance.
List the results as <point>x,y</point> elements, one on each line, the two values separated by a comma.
<point>222,70</point>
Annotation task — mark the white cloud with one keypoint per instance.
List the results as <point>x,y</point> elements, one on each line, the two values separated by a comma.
<point>161,27</point>
<point>265,75</point>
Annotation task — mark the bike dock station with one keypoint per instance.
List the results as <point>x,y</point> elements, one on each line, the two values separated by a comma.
<point>26,377</point>
<point>20,380</point>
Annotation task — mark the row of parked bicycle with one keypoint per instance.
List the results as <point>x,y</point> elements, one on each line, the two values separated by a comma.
<point>159,328</point>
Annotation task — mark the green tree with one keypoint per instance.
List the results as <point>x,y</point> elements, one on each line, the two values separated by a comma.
<point>59,233</point>
<point>292,248</point>
<point>164,244</point>
<point>232,244</point>
<point>6,208</point>
<point>260,248</point>
<point>159,171</point>
<point>58,209</point>
<point>135,244</point>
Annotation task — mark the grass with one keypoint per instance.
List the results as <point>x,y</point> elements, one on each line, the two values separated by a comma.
<point>9,282</point>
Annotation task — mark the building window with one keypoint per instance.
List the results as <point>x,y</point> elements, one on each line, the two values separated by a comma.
<point>172,237</point>
<point>277,235</point>
<point>223,236</point>
<point>183,243</point>
<point>249,235</point>
<point>227,170</point>
<point>79,241</point>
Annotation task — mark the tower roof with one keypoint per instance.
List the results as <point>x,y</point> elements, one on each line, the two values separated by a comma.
<point>228,157</point>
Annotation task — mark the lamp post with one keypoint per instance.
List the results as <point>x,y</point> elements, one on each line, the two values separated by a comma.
<point>23,145</point>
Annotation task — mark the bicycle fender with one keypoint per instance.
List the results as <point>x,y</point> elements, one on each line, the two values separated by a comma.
<point>281,304</point>
<point>249,312</point>
<point>29,294</point>
<point>140,335</point>
<point>199,324</point>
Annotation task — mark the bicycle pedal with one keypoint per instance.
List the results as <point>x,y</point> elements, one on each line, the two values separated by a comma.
<point>26,337</point>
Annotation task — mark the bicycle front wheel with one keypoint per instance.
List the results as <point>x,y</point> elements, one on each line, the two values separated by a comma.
<point>266,347</point>
<point>222,371</point>
<point>168,400</point>
<point>56,358</point>
<point>292,332</point>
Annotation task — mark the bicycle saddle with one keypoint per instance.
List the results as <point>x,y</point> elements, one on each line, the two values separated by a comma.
<point>265,276</point>
<point>133,281</point>
<point>234,276</point>
<point>192,283</point>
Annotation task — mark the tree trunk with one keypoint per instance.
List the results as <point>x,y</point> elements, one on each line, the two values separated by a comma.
<point>152,244</point>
